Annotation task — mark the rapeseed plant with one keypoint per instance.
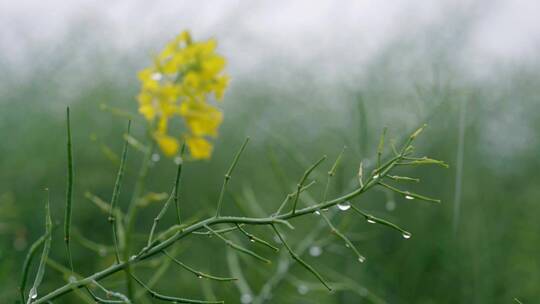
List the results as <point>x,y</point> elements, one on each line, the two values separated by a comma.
<point>183,82</point>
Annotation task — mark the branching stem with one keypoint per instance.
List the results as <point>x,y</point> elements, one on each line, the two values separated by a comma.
<point>228,176</point>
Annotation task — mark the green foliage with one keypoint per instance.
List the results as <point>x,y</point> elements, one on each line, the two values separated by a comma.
<point>129,263</point>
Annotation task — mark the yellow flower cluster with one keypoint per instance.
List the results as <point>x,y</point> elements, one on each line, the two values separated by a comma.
<point>179,83</point>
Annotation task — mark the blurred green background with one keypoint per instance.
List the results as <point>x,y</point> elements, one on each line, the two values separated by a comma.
<point>308,79</point>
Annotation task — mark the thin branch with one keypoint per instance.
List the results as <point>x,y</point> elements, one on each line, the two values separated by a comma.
<point>197,273</point>
<point>28,260</point>
<point>403,178</point>
<point>372,220</point>
<point>131,215</point>
<point>255,239</point>
<point>342,236</point>
<point>123,298</point>
<point>228,176</point>
<point>177,182</point>
<point>380,148</point>
<point>410,195</point>
<point>69,191</point>
<point>116,194</point>
<point>300,261</point>
<point>238,247</point>
<point>170,298</point>
<point>157,219</point>
<point>285,263</point>
<point>303,180</point>
<point>291,195</point>
<point>32,295</point>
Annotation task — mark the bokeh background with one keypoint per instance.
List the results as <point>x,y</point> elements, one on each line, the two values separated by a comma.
<point>308,78</point>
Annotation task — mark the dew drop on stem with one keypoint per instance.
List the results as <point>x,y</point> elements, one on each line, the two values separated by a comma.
<point>33,294</point>
<point>346,205</point>
<point>406,235</point>
<point>315,251</point>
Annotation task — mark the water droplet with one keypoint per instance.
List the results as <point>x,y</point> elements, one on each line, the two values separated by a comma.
<point>376,176</point>
<point>199,276</point>
<point>72,279</point>
<point>361,259</point>
<point>133,257</point>
<point>406,235</point>
<point>315,251</point>
<point>409,197</point>
<point>317,212</point>
<point>32,294</point>
<point>246,298</point>
<point>252,240</point>
<point>347,245</point>
<point>155,157</point>
<point>178,160</point>
<point>390,205</point>
<point>344,206</point>
<point>157,76</point>
<point>370,220</point>
<point>302,289</point>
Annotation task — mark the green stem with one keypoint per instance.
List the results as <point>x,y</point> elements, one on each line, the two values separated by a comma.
<point>69,191</point>
<point>301,261</point>
<point>228,176</point>
<point>177,183</point>
<point>132,216</point>
<point>116,194</point>
<point>303,180</point>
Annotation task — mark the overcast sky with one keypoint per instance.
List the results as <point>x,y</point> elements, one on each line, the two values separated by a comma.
<point>305,32</point>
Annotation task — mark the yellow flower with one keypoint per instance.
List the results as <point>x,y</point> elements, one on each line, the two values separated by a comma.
<point>199,147</point>
<point>202,119</point>
<point>167,144</point>
<point>179,83</point>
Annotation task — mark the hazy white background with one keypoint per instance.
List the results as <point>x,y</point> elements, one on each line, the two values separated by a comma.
<point>325,34</point>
